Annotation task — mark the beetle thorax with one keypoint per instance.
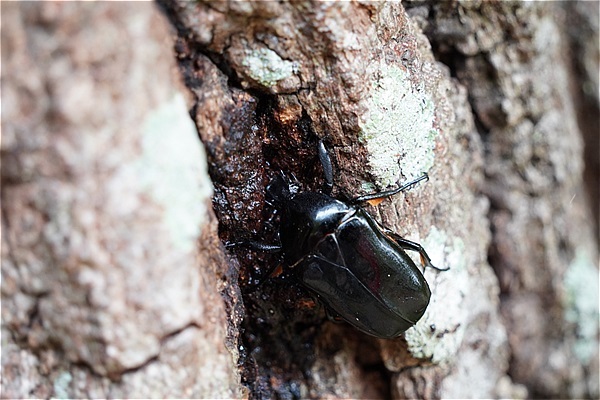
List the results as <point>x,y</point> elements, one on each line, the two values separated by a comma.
<point>306,219</point>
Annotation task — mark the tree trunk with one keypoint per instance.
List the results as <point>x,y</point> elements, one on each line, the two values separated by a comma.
<point>104,196</point>
<point>115,278</point>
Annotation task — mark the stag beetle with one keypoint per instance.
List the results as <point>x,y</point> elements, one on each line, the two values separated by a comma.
<point>357,268</point>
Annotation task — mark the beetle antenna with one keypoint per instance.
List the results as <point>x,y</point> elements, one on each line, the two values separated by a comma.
<point>388,193</point>
<point>293,183</point>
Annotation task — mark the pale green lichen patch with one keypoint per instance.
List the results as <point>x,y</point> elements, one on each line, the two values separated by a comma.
<point>581,304</point>
<point>172,169</point>
<point>398,128</point>
<point>368,187</point>
<point>439,333</point>
<point>61,385</point>
<point>266,67</point>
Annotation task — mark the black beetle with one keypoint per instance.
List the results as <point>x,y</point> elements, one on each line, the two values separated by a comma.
<point>356,267</point>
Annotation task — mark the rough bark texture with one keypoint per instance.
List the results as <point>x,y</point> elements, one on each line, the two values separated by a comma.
<point>103,291</point>
<point>520,67</point>
<point>271,78</point>
<point>104,192</point>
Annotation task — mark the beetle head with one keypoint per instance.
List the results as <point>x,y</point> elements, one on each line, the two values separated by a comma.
<point>281,189</point>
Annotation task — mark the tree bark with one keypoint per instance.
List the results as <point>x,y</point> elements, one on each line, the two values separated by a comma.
<point>520,65</point>
<point>104,196</point>
<point>115,280</point>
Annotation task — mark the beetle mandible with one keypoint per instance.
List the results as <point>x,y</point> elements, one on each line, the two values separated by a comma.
<point>355,266</point>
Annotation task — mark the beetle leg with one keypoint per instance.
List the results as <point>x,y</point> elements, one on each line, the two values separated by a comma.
<point>333,316</point>
<point>327,166</point>
<point>267,248</point>
<point>272,272</point>
<point>388,193</point>
<point>414,246</point>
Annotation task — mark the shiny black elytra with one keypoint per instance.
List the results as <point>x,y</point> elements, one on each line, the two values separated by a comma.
<point>357,268</point>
